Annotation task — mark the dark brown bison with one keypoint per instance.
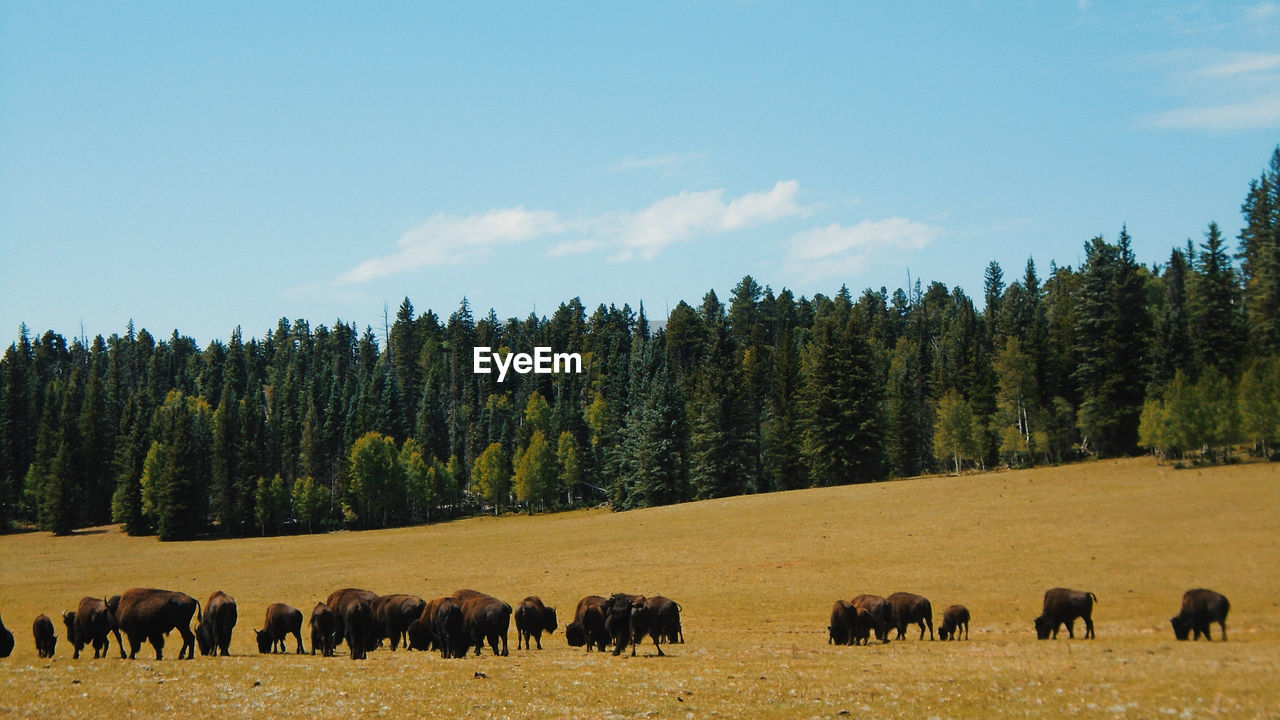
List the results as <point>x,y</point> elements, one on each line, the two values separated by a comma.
<point>910,608</point>
<point>6,641</point>
<point>588,626</point>
<point>667,618</point>
<point>629,618</point>
<point>1063,606</point>
<point>91,624</point>
<point>487,618</point>
<point>441,627</point>
<point>874,615</point>
<point>281,622</point>
<point>843,616</point>
<point>43,632</point>
<point>358,625</point>
<point>532,619</point>
<point>954,618</point>
<point>338,601</point>
<point>324,623</point>
<point>149,614</point>
<point>213,634</point>
<point>392,615</point>
<point>1200,607</point>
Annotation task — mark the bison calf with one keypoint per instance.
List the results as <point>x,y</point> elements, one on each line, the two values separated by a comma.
<point>282,621</point>
<point>1062,607</point>
<point>91,624</point>
<point>1200,607</point>
<point>954,619</point>
<point>46,640</point>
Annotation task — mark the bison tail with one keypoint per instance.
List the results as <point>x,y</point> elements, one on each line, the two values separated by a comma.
<point>1093,597</point>
<point>199,615</point>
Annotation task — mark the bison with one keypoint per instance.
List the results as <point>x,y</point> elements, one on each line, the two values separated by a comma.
<point>910,608</point>
<point>1200,607</point>
<point>441,627</point>
<point>338,601</point>
<point>91,624</point>
<point>873,614</point>
<point>46,639</point>
<point>487,618</point>
<point>149,614</point>
<point>588,626</point>
<point>532,619</point>
<point>281,621</point>
<point>1063,606</point>
<point>667,612</point>
<point>324,624</point>
<point>358,625</point>
<point>213,634</point>
<point>954,618</point>
<point>6,641</point>
<point>843,616</point>
<point>628,619</point>
<point>392,615</point>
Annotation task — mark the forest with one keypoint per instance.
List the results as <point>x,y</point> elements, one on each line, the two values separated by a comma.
<point>309,429</point>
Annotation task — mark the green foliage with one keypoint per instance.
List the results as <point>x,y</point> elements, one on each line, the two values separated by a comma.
<point>1259,403</point>
<point>535,472</point>
<point>310,502</point>
<point>569,460</point>
<point>271,504</point>
<point>376,494</point>
<point>955,437</point>
<point>491,476</point>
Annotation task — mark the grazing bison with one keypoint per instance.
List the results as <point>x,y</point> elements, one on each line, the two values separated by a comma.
<point>338,601</point>
<point>282,621</point>
<point>91,624</point>
<point>213,634</point>
<point>874,615</point>
<point>357,623</point>
<point>149,614</point>
<point>487,618</point>
<point>629,618</point>
<point>667,612</point>
<point>441,627</point>
<point>324,624</point>
<point>843,618</point>
<point>1200,607</point>
<point>532,619</point>
<point>910,608</point>
<point>588,626</point>
<point>392,615</point>
<point>1063,606</point>
<point>6,641</point>
<point>954,618</point>
<point>46,639</point>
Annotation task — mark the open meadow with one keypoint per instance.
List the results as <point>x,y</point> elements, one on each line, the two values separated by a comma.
<point>756,576</point>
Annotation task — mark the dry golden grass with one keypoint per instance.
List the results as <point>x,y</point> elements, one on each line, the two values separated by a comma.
<point>757,577</point>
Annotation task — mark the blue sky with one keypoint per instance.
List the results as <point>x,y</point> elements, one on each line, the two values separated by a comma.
<point>205,166</point>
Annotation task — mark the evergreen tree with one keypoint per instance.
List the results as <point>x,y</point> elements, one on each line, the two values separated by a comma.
<point>1171,349</point>
<point>1260,259</point>
<point>1216,326</point>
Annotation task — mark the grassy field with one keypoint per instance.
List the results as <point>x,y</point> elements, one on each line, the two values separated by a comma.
<point>756,576</point>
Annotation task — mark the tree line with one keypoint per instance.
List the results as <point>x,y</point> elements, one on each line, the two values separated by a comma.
<point>313,428</point>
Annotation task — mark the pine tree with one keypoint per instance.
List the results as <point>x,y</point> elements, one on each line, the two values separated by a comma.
<point>1216,326</point>
<point>1260,259</point>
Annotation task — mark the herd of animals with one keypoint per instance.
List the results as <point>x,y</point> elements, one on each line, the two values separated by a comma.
<point>362,619</point>
<point>854,622</point>
<point>469,619</point>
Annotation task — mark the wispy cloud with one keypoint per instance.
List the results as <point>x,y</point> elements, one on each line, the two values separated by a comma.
<point>1262,11</point>
<point>452,239</point>
<point>628,235</point>
<point>646,233</point>
<point>1241,64</point>
<point>1253,114</point>
<point>837,249</point>
<point>664,161</point>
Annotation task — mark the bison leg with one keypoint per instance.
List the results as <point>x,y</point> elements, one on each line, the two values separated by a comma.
<point>157,642</point>
<point>298,634</point>
<point>655,644</point>
<point>1088,627</point>
<point>537,638</point>
<point>1223,624</point>
<point>188,643</point>
<point>966,631</point>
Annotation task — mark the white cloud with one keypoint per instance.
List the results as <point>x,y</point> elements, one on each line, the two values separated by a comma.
<point>450,239</point>
<point>665,160</point>
<point>1242,64</point>
<point>647,232</point>
<point>1257,113</point>
<point>840,250</point>
<point>1263,11</point>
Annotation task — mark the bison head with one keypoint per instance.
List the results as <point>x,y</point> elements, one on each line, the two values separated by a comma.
<point>1043,627</point>
<point>204,639</point>
<point>1181,626</point>
<point>551,622</point>
<point>265,640</point>
<point>944,632</point>
<point>574,635</point>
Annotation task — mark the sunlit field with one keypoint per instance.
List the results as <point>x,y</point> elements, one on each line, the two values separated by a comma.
<point>756,576</point>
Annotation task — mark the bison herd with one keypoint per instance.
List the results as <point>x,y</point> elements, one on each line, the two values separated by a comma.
<point>364,620</point>
<point>853,622</point>
<point>469,619</point>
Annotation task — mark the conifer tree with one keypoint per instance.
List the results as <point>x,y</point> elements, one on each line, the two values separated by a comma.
<point>1216,327</point>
